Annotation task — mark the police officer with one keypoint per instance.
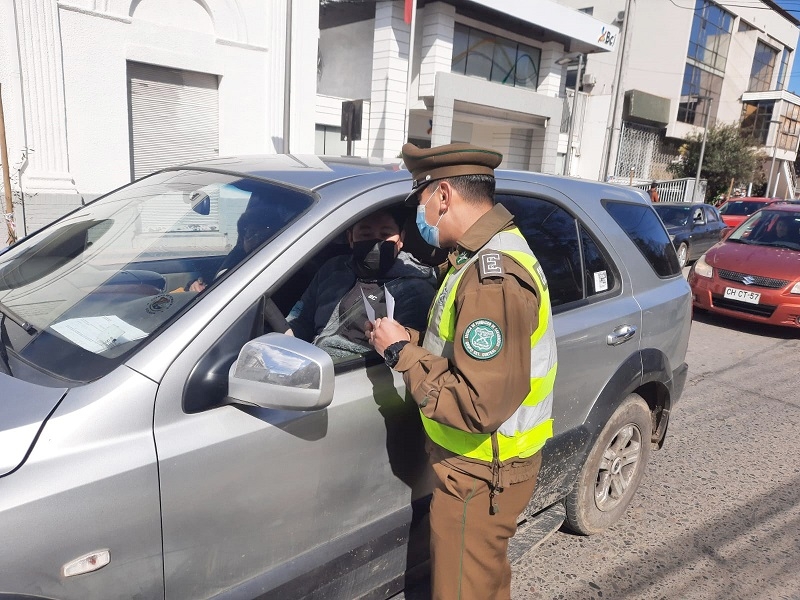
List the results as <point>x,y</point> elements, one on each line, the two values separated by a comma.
<point>482,373</point>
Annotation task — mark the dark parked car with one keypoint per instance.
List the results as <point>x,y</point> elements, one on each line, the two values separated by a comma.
<point>169,444</point>
<point>693,228</point>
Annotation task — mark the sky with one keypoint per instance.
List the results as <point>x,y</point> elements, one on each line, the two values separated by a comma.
<point>793,7</point>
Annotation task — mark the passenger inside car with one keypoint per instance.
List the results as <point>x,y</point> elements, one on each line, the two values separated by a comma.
<point>331,312</point>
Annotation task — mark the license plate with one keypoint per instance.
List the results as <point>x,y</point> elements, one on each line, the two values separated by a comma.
<point>742,295</point>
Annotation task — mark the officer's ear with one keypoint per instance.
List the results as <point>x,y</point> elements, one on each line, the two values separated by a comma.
<point>445,193</point>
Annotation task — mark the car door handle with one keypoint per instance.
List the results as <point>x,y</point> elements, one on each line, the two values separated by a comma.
<point>621,335</point>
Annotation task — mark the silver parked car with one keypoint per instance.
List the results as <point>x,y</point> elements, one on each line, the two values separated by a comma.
<point>163,442</point>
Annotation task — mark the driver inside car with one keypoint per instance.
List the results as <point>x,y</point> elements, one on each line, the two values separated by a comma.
<point>331,312</point>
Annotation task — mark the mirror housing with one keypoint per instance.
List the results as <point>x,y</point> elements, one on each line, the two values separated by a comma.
<point>281,372</point>
<point>200,203</point>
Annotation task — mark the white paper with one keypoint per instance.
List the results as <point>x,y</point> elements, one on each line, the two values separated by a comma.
<point>389,303</point>
<point>368,308</point>
<point>98,334</point>
<point>600,281</point>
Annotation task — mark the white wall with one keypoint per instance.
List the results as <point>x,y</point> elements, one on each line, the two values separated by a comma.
<point>240,41</point>
<point>347,60</point>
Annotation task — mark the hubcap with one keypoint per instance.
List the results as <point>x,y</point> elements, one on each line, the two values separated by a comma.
<point>618,467</point>
<point>682,255</point>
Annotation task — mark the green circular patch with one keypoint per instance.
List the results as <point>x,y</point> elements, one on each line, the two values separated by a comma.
<point>482,339</point>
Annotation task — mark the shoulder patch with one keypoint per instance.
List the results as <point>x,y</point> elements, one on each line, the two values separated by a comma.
<point>491,264</point>
<point>482,339</point>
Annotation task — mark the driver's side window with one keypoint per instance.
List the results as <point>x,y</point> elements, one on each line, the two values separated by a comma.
<point>365,273</point>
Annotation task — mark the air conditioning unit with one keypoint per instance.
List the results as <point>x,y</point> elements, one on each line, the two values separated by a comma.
<point>589,79</point>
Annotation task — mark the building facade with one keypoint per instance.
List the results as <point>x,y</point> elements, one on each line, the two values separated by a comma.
<point>488,72</point>
<point>96,92</point>
<point>678,66</point>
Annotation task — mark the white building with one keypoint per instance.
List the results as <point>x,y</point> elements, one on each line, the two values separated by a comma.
<point>483,71</point>
<point>681,61</point>
<point>96,92</point>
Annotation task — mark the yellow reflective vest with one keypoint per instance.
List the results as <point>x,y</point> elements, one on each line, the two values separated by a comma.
<point>531,425</point>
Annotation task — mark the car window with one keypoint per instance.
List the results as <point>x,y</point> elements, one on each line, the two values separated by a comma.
<point>698,216</point>
<point>552,234</point>
<point>573,263</point>
<point>597,270</point>
<point>332,298</point>
<point>647,232</point>
<point>673,216</point>
<point>740,208</point>
<point>711,214</point>
<point>99,283</point>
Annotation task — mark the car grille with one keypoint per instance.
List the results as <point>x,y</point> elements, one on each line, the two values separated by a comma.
<point>765,282</point>
<point>760,310</point>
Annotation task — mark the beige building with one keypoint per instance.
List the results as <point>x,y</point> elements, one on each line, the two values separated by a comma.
<point>679,63</point>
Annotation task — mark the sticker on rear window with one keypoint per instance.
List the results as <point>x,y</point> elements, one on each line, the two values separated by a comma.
<point>600,281</point>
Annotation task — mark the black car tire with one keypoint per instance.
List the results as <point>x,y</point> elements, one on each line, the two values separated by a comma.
<point>613,470</point>
<point>683,254</point>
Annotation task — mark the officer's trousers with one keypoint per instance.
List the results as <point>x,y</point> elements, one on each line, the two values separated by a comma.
<point>469,545</point>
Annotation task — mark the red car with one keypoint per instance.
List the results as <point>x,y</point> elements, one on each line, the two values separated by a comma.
<point>736,210</point>
<point>754,274</point>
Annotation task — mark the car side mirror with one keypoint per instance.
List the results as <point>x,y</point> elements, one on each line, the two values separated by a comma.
<point>281,372</point>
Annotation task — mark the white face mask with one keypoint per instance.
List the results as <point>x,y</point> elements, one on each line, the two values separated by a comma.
<point>429,233</point>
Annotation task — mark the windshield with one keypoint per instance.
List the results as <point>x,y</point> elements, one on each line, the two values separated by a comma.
<point>673,216</point>
<point>88,290</point>
<point>770,228</point>
<point>738,208</point>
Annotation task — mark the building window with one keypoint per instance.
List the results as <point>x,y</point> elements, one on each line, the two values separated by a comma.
<point>789,132</point>
<point>784,68</point>
<point>705,61</point>
<point>763,66</point>
<point>493,58</point>
<point>328,140</point>
<point>756,117</point>
<point>698,86</point>
<point>711,35</point>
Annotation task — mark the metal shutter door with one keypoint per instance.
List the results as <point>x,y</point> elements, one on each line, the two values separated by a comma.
<point>174,117</point>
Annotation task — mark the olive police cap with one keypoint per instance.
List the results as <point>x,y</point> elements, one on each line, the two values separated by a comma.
<point>451,160</point>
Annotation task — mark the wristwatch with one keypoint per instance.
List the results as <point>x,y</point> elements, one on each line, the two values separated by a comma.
<point>392,353</point>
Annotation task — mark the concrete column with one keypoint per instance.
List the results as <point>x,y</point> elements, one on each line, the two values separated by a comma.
<point>550,72</point>
<point>442,130</point>
<point>437,44</point>
<point>390,64</point>
<point>42,78</point>
<point>515,144</point>
<point>544,145</point>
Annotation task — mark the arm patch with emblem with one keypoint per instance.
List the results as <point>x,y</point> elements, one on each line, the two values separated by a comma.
<point>491,264</point>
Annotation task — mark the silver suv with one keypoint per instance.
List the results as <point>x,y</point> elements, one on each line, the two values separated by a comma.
<point>163,442</point>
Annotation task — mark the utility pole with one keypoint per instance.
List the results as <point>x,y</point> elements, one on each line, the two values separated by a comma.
<point>9,205</point>
<point>702,145</point>
<point>611,144</point>
<point>569,59</point>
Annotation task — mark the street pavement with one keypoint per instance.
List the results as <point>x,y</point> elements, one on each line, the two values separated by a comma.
<point>718,513</point>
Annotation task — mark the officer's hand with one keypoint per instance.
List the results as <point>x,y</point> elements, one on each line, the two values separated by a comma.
<point>385,332</point>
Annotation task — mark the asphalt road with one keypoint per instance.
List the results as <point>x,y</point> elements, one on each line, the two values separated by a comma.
<point>718,513</point>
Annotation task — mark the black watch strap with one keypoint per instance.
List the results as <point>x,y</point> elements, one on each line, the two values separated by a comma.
<point>392,353</point>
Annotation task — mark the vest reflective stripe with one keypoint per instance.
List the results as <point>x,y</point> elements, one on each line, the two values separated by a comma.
<point>527,430</point>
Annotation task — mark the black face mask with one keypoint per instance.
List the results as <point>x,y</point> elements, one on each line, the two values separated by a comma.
<point>373,258</point>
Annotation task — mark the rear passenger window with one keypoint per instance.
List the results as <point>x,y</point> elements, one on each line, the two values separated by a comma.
<point>645,229</point>
<point>572,261</point>
<point>598,276</point>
